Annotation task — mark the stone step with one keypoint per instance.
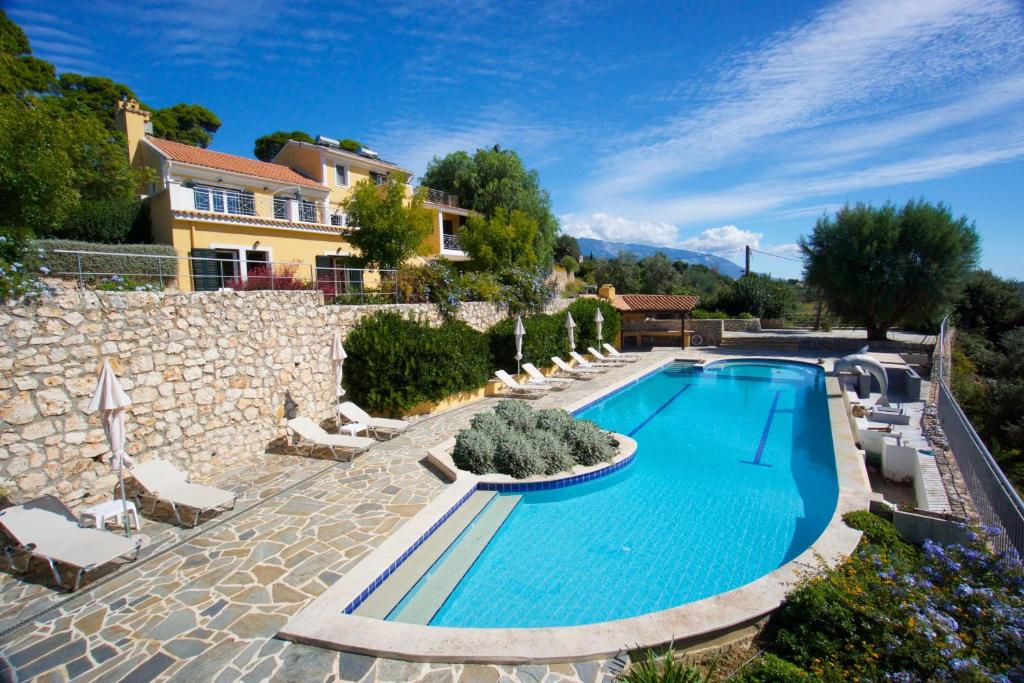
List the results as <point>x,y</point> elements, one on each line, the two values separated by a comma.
<point>382,601</point>
<point>441,580</point>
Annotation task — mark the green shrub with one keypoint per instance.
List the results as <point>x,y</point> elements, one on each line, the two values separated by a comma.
<point>110,221</point>
<point>480,286</point>
<point>589,445</point>
<point>490,424</point>
<point>525,290</point>
<point>436,282</point>
<point>517,414</point>
<point>396,362</point>
<point>701,314</point>
<point>554,420</point>
<point>553,451</point>
<point>544,338</point>
<point>516,454</point>
<point>651,669</point>
<point>20,266</point>
<point>876,530</point>
<point>759,295</point>
<point>124,260</point>
<point>583,312</point>
<point>474,451</point>
<point>895,612</point>
<point>770,669</point>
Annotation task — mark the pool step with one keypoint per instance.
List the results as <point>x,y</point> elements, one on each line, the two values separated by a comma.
<point>439,584</point>
<point>382,601</point>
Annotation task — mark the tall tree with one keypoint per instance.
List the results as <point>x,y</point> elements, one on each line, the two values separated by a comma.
<point>504,240</point>
<point>267,146</point>
<point>881,266</point>
<point>93,95</point>
<point>384,228</point>
<point>192,124</point>
<point>20,72</point>
<point>567,245</point>
<point>496,178</point>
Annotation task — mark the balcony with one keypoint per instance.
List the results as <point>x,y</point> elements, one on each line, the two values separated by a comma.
<point>238,206</point>
<point>439,197</point>
<point>450,242</point>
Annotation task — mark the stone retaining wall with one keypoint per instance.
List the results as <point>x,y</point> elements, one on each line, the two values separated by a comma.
<point>212,377</point>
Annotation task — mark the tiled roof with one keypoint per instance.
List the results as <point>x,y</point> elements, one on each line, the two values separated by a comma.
<point>177,151</point>
<point>655,302</point>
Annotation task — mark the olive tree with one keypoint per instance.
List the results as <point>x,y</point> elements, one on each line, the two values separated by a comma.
<point>883,266</point>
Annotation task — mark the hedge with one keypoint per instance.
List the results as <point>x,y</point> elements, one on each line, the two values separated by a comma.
<point>395,363</point>
<point>124,259</point>
<point>546,335</point>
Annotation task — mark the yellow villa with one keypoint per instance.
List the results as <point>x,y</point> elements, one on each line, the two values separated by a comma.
<point>240,218</point>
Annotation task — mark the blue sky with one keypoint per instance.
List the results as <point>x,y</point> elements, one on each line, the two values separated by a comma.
<point>704,125</point>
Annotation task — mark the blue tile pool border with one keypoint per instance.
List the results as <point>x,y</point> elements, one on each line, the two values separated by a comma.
<point>526,486</point>
<point>375,584</point>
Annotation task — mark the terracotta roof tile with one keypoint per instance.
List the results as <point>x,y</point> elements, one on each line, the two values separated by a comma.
<point>655,302</point>
<point>177,151</point>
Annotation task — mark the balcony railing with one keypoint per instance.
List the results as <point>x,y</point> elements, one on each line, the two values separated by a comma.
<point>224,201</point>
<point>440,197</point>
<point>280,208</point>
<point>450,242</point>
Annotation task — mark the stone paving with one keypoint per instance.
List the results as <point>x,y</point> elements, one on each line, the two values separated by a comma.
<point>205,604</point>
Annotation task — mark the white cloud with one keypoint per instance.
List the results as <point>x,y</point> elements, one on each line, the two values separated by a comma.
<point>723,239</point>
<point>604,226</point>
<point>790,250</point>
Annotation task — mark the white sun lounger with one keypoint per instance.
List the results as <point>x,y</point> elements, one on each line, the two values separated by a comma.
<point>162,481</point>
<point>45,528</point>
<point>312,435</point>
<point>584,363</point>
<point>537,379</point>
<point>607,359</point>
<point>521,390</point>
<point>577,372</point>
<point>377,425</point>
<point>615,353</point>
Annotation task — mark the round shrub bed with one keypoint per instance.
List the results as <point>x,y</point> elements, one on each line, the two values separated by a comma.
<point>519,441</point>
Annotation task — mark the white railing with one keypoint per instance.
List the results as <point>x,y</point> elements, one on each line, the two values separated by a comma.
<point>219,200</point>
<point>450,242</point>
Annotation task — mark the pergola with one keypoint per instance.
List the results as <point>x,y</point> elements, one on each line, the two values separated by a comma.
<point>654,315</point>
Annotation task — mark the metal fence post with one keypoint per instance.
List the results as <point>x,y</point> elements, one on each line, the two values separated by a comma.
<point>81,280</point>
<point>160,271</point>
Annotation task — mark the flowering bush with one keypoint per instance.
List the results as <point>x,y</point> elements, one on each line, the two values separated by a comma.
<point>894,612</point>
<point>282,277</point>
<point>20,267</point>
<point>436,282</point>
<point>525,290</point>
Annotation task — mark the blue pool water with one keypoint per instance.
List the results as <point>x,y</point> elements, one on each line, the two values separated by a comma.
<point>734,476</point>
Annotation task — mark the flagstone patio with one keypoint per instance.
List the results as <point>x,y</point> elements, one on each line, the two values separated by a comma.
<point>205,603</point>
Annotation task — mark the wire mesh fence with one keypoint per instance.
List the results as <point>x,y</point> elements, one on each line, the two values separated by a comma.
<point>998,503</point>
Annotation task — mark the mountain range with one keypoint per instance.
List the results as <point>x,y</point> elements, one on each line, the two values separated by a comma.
<point>605,249</point>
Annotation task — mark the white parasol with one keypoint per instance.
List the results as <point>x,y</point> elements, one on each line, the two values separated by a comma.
<point>111,400</point>
<point>520,332</point>
<point>570,325</point>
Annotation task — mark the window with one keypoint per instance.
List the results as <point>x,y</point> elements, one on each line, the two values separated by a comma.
<point>348,275</point>
<point>338,218</point>
<point>340,175</point>
<point>256,262</point>
<point>378,178</point>
<point>227,266</point>
<point>223,200</point>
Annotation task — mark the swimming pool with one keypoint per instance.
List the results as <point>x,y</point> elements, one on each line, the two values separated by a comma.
<point>734,476</point>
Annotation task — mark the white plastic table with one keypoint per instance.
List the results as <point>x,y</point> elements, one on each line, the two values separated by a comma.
<point>112,509</point>
<point>352,428</point>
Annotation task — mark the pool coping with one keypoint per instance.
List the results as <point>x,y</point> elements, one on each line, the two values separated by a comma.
<point>323,623</point>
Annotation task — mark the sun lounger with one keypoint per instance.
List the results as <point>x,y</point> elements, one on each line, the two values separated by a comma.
<point>520,390</point>
<point>584,363</point>
<point>577,372</point>
<point>601,358</point>
<point>539,378</point>
<point>162,481</point>
<point>615,353</point>
<point>377,425</point>
<point>312,435</point>
<point>46,529</point>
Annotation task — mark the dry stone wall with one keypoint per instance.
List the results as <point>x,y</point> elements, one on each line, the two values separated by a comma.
<point>213,377</point>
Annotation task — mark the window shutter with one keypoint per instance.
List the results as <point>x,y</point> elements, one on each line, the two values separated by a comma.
<point>205,274</point>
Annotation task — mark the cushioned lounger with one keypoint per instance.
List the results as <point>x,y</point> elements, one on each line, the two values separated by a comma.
<point>46,529</point>
<point>312,435</point>
<point>162,481</point>
<point>378,425</point>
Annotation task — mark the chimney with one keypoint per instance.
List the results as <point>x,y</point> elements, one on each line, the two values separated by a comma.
<point>606,292</point>
<point>134,122</point>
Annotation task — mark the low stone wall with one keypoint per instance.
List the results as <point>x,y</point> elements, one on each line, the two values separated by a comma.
<point>709,330</point>
<point>213,377</point>
<point>742,324</point>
